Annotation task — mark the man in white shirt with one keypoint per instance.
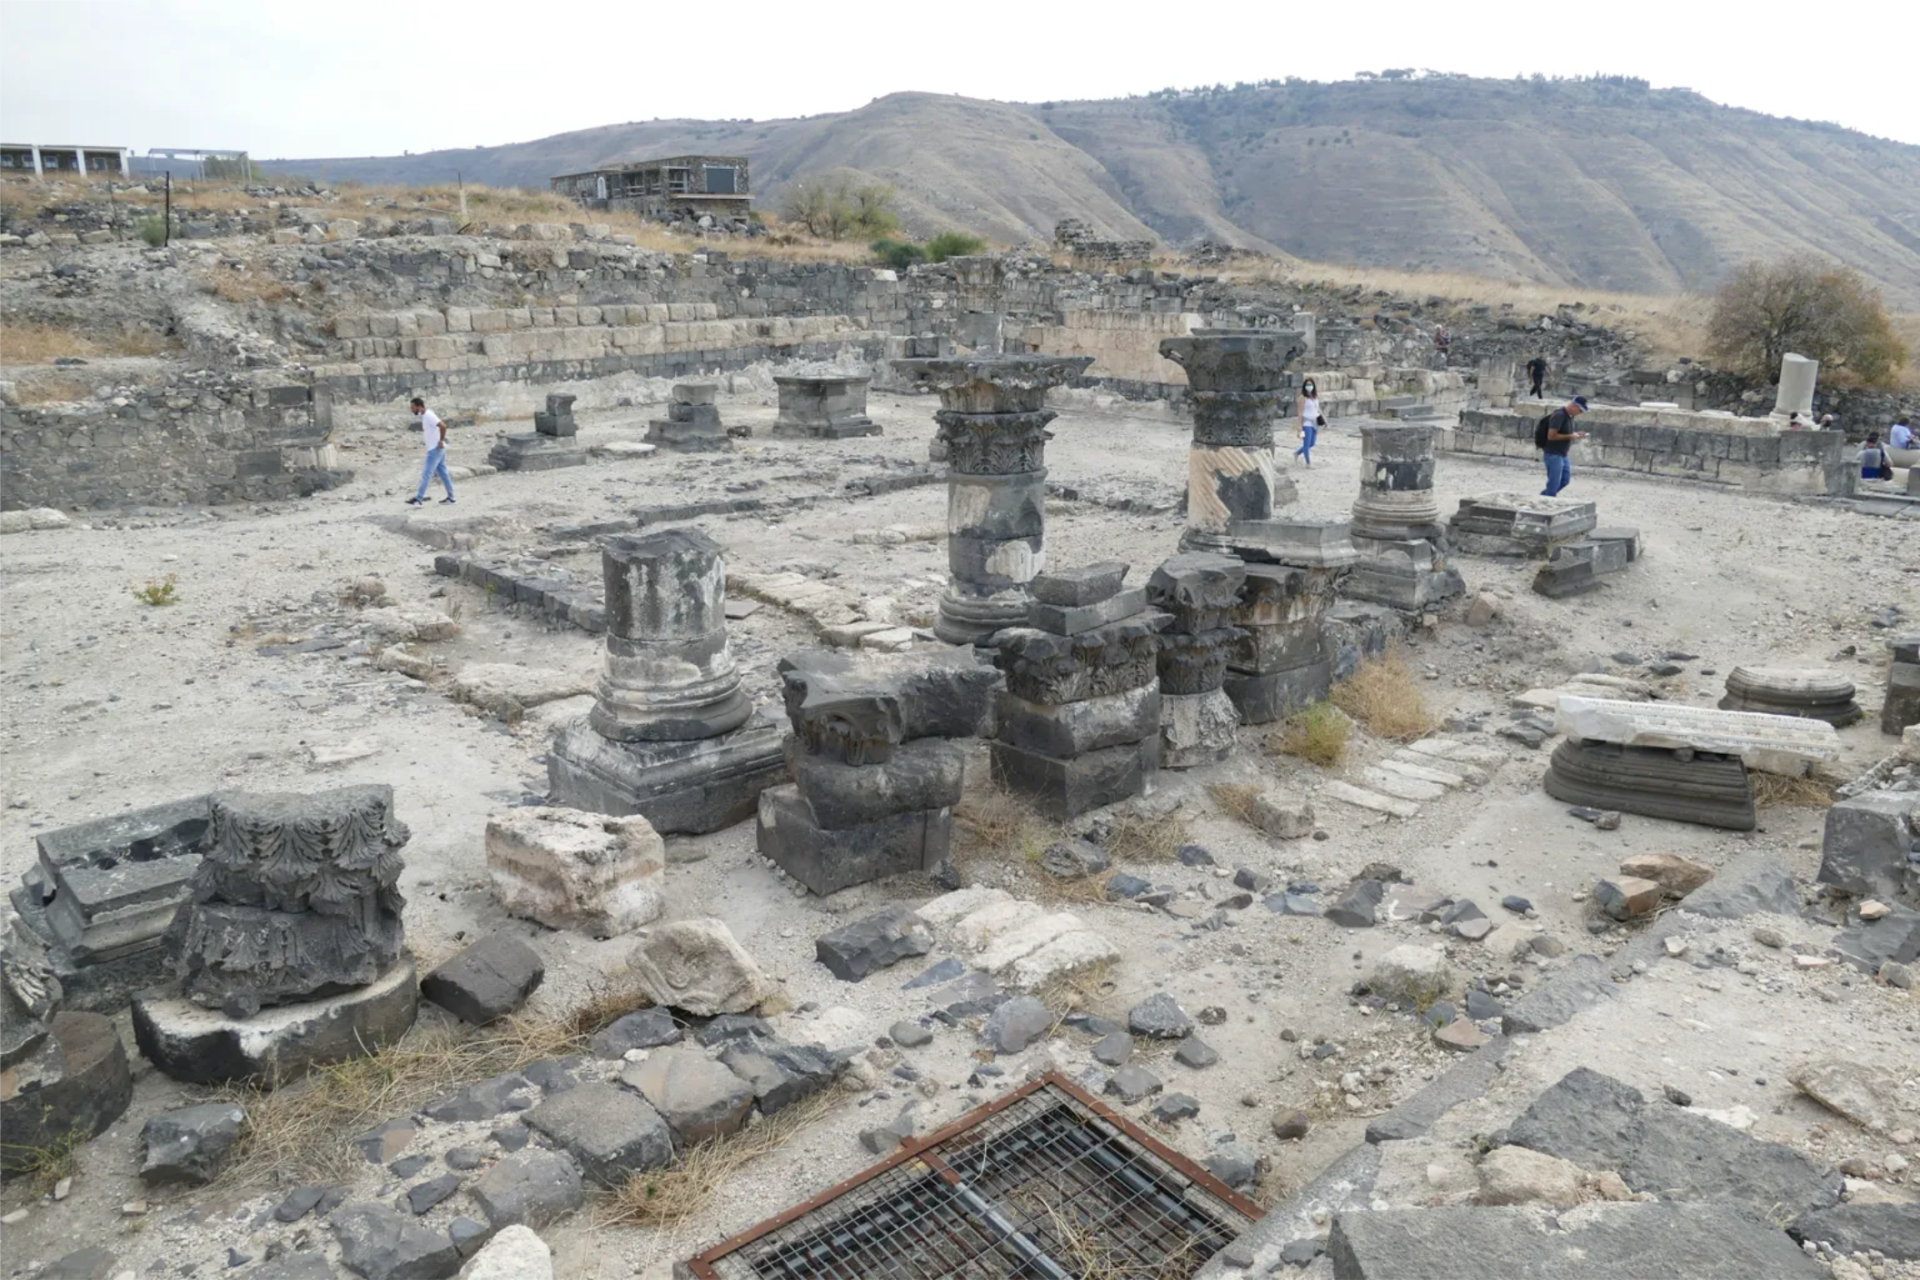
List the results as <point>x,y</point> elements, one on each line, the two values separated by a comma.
<point>1900,435</point>
<point>433,433</point>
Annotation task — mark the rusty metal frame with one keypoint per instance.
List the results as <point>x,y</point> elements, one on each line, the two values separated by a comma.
<point>921,1149</point>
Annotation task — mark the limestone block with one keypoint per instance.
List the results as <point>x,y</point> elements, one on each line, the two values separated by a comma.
<point>1412,974</point>
<point>569,869</point>
<point>1775,744</point>
<point>490,320</point>
<point>459,320</point>
<point>698,966</point>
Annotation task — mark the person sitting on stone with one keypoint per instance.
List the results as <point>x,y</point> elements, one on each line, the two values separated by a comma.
<point>1900,434</point>
<point>1874,464</point>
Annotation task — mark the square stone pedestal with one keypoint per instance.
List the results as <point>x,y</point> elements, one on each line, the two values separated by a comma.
<point>1065,789</point>
<point>826,861</point>
<point>1264,699</point>
<point>534,451</point>
<point>1406,575</point>
<point>685,787</point>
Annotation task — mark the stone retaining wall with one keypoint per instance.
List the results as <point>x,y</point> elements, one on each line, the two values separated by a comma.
<point>208,439</point>
<point>1788,462</point>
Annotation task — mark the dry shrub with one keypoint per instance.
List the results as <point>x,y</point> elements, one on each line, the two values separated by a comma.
<point>1317,734</point>
<point>1090,988</point>
<point>252,286</point>
<point>303,1131</point>
<point>1142,837</point>
<point>1384,697</point>
<point>1235,799</point>
<point>42,344</point>
<point>685,1189</point>
<point>1777,791</point>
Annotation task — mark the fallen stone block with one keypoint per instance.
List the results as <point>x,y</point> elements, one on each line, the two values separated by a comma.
<point>568,869</point>
<point>1865,1095</point>
<point>696,965</point>
<point>1774,744</point>
<point>697,1097</point>
<point>1676,875</point>
<point>828,860</point>
<point>1358,906</point>
<point>382,1244</point>
<point>517,1253</point>
<point>69,1086</point>
<point>1627,897</point>
<point>1412,974</point>
<point>1891,1229</point>
<point>505,690</point>
<point>1593,1242</point>
<point>1017,1024</point>
<point>1282,814</point>
<point>1753,884</point>
<point>1517,1175</point>
<point>1871,846</point>
<point>611,1131</point>
<point>1654,782</point>
<point>885,938</point>
<point>187,1144</point>
<point>487,981</point>
<point>780,1074</point>
<point>642,1029</point>
<point>1892,939</point>
<point>1600,1123</point>
<point>1159,1017</point>
<point>529,1188</point>
<point>1132,1084</point>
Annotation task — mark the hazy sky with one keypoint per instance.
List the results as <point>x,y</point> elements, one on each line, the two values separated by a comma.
<point>287,78</point>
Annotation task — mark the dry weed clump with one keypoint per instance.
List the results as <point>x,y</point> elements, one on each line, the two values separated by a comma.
<point>303,1130</point>
<point>51,391</point>
<point>42,1167</point>
<point>996,823</point>
<point>1089,989</point>
<point>1316,734</point>
<point>1384,697</point>
<point>685,1189</point>
<point>1777,791</point>
<point>1235,799</point>
<point>30,344</point>
<point>1141,837</point>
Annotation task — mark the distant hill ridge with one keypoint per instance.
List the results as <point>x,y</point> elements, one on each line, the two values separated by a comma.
<point>1602,182</point>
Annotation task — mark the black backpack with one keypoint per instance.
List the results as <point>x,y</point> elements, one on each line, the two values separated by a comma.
<point>1540,432</point>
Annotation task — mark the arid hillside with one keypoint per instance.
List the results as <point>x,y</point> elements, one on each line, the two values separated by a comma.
<point>1601,183</point>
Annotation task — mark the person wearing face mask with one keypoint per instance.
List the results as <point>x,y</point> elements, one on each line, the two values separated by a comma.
<point>1311,420</point>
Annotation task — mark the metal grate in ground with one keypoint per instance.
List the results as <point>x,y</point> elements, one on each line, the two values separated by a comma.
<point>1043,1183</point>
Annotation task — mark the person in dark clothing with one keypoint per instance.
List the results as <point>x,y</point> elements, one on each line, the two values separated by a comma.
<point>1537,371</point>
<point>1560,437</point>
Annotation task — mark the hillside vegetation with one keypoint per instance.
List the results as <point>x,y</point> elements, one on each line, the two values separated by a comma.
<point>1600,183</point>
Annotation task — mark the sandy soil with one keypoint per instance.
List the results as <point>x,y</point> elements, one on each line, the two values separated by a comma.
<point>111,703</point>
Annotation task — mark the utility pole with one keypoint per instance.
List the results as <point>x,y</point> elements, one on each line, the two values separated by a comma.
<point>167,229</point>
<point>461,183</point>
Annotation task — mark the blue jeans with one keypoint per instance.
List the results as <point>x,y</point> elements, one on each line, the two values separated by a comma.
<point>436,466</point>
<point>1559,474</point>
<point>1308,434</point>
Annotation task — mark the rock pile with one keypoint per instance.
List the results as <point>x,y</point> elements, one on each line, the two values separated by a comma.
<point>1811,692</point>
<point>1078,725</point>
<point>875,771</point>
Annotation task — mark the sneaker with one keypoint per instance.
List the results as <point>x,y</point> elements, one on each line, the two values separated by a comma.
<point>446,502</point>
<point>416,502</point>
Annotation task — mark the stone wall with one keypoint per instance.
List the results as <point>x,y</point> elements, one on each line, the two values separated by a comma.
<point>205,439</point>
<point>1741,452</point>
<point>1125,345</point>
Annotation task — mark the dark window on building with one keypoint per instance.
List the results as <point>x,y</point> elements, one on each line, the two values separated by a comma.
<point>722,179</point>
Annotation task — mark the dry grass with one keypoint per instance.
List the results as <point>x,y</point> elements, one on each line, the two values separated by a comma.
<point>1088,1254</point>
<point>1091,989</point>
<point>1384,697</point>
<point>1777,791</point>
<point>1317,734</point>
<point>1139,837</point>
<point>686,1189</point>
<point>25,344</point>
<point>1235,799</point>
<point>303,1131</point>
<point>242,287</point>
<point>996,823</point>
<point>45,1166</point>
<point>51,391</point>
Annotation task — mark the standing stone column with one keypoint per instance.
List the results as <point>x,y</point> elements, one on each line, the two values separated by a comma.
<point>671,736</point>
<point>1797,376</point>
<point>1238,385</point>
<point>1396,522</point>
<point>1197,720</point>
<point>993,419</point>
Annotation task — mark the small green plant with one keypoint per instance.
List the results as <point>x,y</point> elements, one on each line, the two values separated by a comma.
<point>158,592</point>
<point>953,244</point>
<point>154,231</point>
<point>1317,734</point>
<point>42,1167</point>
<point>898,254</point>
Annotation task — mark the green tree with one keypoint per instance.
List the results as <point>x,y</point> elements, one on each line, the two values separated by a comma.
<point>1802,304</point>
<point>835,210</point>
<point>953,244</point>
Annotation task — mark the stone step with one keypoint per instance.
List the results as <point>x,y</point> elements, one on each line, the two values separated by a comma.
<point>1361,798</point>
<point>1399,785</point>
<point>1423,770</point>
<point>1483,754</point>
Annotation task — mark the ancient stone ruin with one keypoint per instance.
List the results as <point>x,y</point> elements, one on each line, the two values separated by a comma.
<point>1198,590</point>
<point>692,424</point>
<point>671,736</point>
<point>993,419</point>
<point>823,406</point>
<point>289,953</point>
<point>1236,478</point>
<point>553,442</point>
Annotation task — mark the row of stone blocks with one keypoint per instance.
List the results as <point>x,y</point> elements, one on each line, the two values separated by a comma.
<point>562,600</point>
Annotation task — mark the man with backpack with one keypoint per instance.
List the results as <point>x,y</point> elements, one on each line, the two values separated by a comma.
<point>1553,435</point>
<point>433,434</point>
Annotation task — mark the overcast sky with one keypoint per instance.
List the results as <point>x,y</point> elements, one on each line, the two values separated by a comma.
<point>352,78</point>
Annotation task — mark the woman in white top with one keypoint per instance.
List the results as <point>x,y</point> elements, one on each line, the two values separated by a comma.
<point>1310,420</point>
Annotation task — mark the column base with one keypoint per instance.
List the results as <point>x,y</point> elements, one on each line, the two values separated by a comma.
<point>966,620</point>
<point>685,787</point>
<point>532,451</point>
<point>689,437</point>
<point>1065,789</point>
